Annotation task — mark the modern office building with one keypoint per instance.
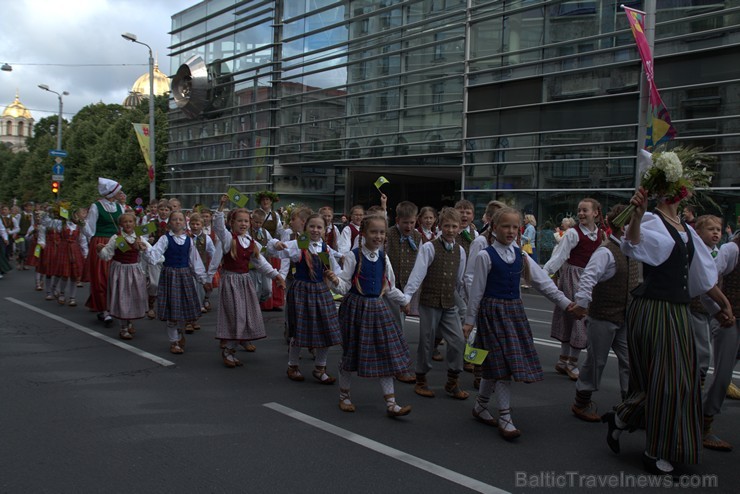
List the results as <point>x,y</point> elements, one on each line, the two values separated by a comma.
<point>528,101</point>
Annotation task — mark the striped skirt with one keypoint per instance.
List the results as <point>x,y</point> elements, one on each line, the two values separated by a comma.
<point>373,344</point>
<point>239,316</point>
<point>566,328</point>
<point>503,330</point>
<point>127,295</point>
<point>665,395</point>
<point>312,315</point>
<point>177,299</point>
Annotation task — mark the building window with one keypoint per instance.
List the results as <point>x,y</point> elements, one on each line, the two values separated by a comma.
<point>9,128</point>
<point>438,89</point>
<point>20,129</point>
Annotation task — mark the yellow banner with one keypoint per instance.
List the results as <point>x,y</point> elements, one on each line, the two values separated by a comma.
<point>142,135</point>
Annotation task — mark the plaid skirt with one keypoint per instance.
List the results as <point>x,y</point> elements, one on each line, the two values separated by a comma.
<point>31,259</point>
<point>239,316</point>
<point>49,256</point>
<point>127,296</point>
<point>177,299</point>
<point>503,330</point>
<point>373,344</point>
<point>566,328</point>
<point>312,315</point>
<point>69,260</point>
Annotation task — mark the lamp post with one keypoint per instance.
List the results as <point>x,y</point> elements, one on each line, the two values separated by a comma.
<point>152,139</point>
<point>59,123</point>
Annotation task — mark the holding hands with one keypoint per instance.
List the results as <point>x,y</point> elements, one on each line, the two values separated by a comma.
<point>577,311</point>
<point>280,281</point>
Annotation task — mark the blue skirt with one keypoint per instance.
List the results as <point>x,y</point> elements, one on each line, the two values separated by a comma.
<point>373,344</point>
<point>177,299</point>
<point>503,330</point>
<point>312,315</point>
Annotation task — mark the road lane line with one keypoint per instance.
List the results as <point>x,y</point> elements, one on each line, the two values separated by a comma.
<point>94,334</point>
<point>381,448</point>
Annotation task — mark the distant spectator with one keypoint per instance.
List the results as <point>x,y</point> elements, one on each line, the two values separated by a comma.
<point>546,242</point>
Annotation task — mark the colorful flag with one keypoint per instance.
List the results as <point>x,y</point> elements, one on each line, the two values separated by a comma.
<point>122,245</point>
<point>37,251</point>
<point>474,355</point>
<point>146,229</point>
<point>64,213</point>
<point>142,135</point>
<point>380,181</point>
<point>324,256</point>
<point>303,241</point>
<point>237,197</point>
<point>660,129</point>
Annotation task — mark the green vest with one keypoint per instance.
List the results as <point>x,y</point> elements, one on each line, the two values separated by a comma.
<point>107,224</point>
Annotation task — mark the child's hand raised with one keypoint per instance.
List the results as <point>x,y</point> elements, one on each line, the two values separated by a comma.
<point>222,202</point>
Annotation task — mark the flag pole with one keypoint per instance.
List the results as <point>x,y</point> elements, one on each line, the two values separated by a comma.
<point>644,104</point>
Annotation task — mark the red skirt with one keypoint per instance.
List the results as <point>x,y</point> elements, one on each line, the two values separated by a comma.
<point>278,293</point>
<point>49,255</point>
<point>98,269</point>
<point>69,260</point>
<point>31,259</point>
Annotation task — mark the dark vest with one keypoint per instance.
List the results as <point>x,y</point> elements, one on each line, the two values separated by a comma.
<point>107,223</point>
<point>25,222</point>
<point>503,278</point>
<point>131,256</point>
<point>670,280</point>
<point>200,246</point>
<point>401,255</point>
<point>581,253</point>
<point>243,256</point>
<point>438,287</point>
<point>465,244</point>
<point>331,236</point>
<point>731,289</point>
<point>371,275</point>
<point>177,256</point>
<point>610,298</point>
<point>270,224</point>
<point>302,271</point>
<point>353,235</point>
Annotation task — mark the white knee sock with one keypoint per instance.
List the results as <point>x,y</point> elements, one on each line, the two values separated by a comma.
<point>386,384</point>
<point>321,355</point>
<point>484,395</point>
<point>72,288</point>
<point>172,332</point>
<point>294,353</point>
<point>503,394</point>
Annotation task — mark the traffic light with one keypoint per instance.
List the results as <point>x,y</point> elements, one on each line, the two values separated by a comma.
<point>55,187</point>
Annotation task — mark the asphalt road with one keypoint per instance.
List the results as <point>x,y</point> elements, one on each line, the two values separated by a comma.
<point>81,411</point>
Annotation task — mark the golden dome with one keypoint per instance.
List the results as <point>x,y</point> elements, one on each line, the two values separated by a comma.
<point>17,110</point>
<point>161,83</point>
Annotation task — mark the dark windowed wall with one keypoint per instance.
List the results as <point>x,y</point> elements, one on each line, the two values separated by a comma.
<point>533,102</point>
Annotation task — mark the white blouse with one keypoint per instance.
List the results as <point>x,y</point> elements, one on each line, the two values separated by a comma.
<point>154,254</point>
<point>348,271</point>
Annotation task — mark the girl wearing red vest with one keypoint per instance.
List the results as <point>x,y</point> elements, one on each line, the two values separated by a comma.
<point>346,240</point>
<point>70,253</point>
<point>239,316</point>
<point>127,294</point>
<point>571,258</point>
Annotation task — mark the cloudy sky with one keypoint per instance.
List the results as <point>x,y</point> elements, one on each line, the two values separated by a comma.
<point>76,46</point>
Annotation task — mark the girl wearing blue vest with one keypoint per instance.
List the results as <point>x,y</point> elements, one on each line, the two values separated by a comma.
<point>312,314</point>
<point>177,299</point>
<point>495,305</point>
<point>373,343</point>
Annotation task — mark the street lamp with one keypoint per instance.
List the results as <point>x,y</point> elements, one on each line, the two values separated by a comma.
<point>152,139</point>
<point>59,123</point>
<point>7,67</point>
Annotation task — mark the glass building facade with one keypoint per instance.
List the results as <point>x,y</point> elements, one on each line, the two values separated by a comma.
<point>531,102</point>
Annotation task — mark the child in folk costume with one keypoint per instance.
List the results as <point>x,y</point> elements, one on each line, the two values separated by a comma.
<point>177,298</point>
<point>101,225</point>
<point>297,220</point>
<point>573,253</point>
<point>495,305</point>
<point>438,273</point>
<point>604,290</point>
<point>70,252</point>
<point>127,293</point>
<point>49,259</point>
<point>153,270</point>
<point>211,259</point>
<point>401,246</point>
<point>427,224</point>
<point>312,315</point>
<point>207,217</point>
<point>36,238</point>
<point>709,229</point>
<point>348,238</point>
<point>239,316</point>
<point>467,229</point>
<point>262,283</point>
<point>373,344</point>
<point>4,264</point>
<point>26,224</point>
<point>725,343</point>
<point>331,236</point>
<point>274,226</point>
<point>10,224</point>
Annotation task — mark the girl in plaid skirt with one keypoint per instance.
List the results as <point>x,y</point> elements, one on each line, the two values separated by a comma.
<point>70,251</point>
<point>239,316</point>
<point>373,343</point>
<point>177,299</point>
<point>127,295</point>
<point>312,315</point>
<point>495,304</point>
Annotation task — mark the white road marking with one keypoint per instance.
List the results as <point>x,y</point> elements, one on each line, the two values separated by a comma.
<point>381,448</point>
<point>94,334</point>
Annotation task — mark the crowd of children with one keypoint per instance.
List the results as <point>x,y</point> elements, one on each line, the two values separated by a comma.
<point>161,264</point>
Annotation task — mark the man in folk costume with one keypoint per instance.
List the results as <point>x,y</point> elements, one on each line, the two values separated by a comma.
<point>274,226</point>
<point>101,225</point>
<point>26,223</point>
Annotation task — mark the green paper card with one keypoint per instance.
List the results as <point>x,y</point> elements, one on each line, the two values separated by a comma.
<point>64,213</point>
<point>237,197</point>
<point>474,355</point>
<point>303,241</point>
<point>380,181</point>
<point>324,256</point>
<point>37,251</point>
<point>146,229</point>
<point>122,245</point>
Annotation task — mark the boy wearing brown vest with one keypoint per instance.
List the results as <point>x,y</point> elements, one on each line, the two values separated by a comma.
<point>438,272</point>
<point>604,290</point>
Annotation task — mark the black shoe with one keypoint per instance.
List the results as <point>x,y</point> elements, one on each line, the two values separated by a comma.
<point>101,317</point>
<point>610,418</point>
<point>651,466</point>
<point>108,321</point>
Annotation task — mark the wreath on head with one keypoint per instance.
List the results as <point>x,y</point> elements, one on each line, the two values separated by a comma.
<point>269,194</point>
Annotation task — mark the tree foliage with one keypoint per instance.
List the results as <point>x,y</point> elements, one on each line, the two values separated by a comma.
<point>100,142</point>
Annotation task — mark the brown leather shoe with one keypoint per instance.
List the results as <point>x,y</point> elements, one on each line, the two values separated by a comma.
<point>406,378</point>
<point>711,441</point>
<point>176,349</point>
<point>319,373</point>
<point>294,374</point>
<point>492,422</point>
<point>421,387</point>
<point>392,412</point>
<point>588,414</point>
<point>125,335</point>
